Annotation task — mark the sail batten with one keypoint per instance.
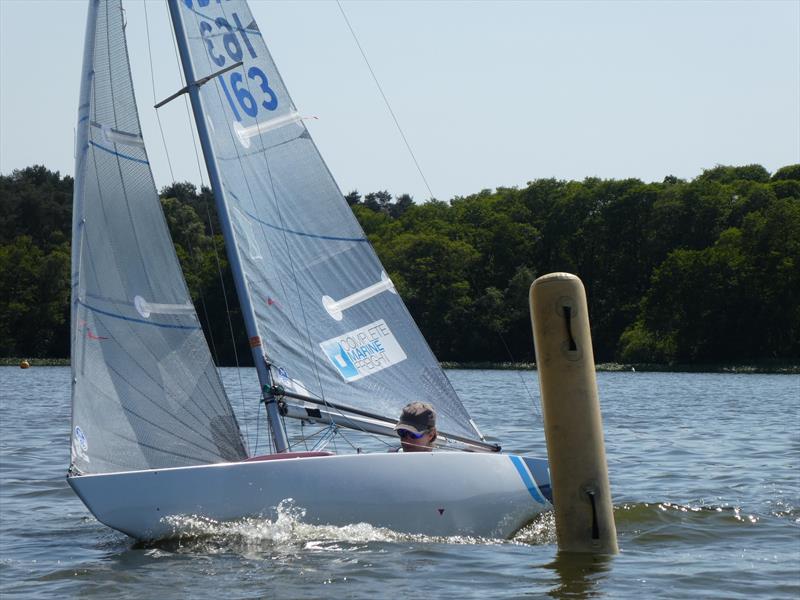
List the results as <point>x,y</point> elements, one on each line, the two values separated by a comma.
<point>145,392</point>
<point>331,322</point>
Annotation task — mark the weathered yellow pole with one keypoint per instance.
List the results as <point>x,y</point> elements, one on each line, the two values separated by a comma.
<point>571,410</point>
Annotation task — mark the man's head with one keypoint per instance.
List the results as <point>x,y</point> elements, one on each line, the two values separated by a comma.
<point>417,427</point>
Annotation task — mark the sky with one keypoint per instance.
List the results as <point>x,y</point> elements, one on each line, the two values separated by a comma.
<point>488,94</point>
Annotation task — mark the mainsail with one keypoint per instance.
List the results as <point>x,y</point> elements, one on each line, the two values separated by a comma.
<point>145,392</point>
<point>330,321</point>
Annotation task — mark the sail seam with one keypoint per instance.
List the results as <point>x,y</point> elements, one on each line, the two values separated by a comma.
<point>134,360</point>
<point>285,231</point>
<point>186,393</point>
<point>119,154</point>
<point>155,403</point>
<point>135,320</point>
<point>318,236</point>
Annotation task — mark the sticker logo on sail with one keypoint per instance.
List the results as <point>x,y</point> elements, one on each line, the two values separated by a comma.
<point>80,445</point>
<point>364,351</point>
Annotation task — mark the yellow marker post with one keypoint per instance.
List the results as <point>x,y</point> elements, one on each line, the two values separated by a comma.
<point>571,410</point>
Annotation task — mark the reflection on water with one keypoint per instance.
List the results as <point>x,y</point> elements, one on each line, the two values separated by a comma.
<point>579,575</point>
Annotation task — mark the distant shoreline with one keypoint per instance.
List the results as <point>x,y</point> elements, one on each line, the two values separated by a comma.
<point>766,367</point>
<point>774,368</point>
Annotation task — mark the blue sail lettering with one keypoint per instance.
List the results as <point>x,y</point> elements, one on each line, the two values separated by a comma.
<point>243,31</point>
<point>360,353</point>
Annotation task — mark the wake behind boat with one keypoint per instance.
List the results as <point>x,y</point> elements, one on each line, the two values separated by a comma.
<point>153,432</point>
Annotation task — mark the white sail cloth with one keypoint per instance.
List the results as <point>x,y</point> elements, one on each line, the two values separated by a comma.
<point>145,393</point>
<point>327,314</point>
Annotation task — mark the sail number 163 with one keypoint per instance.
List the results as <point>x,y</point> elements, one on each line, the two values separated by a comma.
<point>237,90</point>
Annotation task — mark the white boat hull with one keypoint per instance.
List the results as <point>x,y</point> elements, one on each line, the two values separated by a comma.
<point>440,493</point>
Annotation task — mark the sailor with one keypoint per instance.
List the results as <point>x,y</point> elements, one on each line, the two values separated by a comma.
<point>416,428</point>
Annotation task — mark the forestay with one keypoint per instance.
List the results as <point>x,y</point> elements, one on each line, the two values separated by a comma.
<point>329,318</point>
<point>145,393</point>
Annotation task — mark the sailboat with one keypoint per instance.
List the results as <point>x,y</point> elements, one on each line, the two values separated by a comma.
<point>153,433</point>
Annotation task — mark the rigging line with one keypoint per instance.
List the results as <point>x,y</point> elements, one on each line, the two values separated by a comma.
<point>303,439</point>
<point>211,228</point>
<point>310,436</point>
<point>210,400</point>
<point>258,428</point>
<point>186,107</point>
<point>121,175</point>
<point>536,408</point>
<point>313,359</point>
<point>134,360</point>
<point>235,249</point>
<point>385,99</point>
<point>205,310</point>
<point>227,306</point>
<point>408,146</point>
<point>219,267</point>
<point>311,355</point>
<point>338,432</point>
<point>204,391</point>
<point>328,434</point>
<point>354,425</point>
<point>124,188</point>
<point>280,215</point>
<point>230,322</point>
<point>153,86</point>
<point>142,444</point>
<point>194,141</point>
<point>171,431</point>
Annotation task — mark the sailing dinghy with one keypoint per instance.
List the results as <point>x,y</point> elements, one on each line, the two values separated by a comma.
<point>153,434</point>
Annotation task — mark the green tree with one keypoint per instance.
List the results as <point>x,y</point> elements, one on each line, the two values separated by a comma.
<point>34,305</point>
<point>430,271</point>
<point>353,198</point>
<point>728,174</point>
<point>36,202</point>
<point>401,204</point>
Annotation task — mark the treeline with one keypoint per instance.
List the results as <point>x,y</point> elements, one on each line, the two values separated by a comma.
<point>702,271</point>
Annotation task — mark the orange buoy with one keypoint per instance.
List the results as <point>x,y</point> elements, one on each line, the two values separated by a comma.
<point>24,365</point>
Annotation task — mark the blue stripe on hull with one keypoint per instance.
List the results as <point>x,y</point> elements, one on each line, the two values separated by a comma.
<point>533,489</point>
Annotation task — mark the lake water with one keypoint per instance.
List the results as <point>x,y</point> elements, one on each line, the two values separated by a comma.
<point>705,476</point>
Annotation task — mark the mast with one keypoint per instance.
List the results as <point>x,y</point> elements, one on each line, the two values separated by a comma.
<point>278,436</point>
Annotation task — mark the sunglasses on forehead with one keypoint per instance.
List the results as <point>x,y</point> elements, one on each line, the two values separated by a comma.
<point>405,433</point>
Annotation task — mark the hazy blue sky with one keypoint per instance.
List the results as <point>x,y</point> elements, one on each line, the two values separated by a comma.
<point>489,94</point>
